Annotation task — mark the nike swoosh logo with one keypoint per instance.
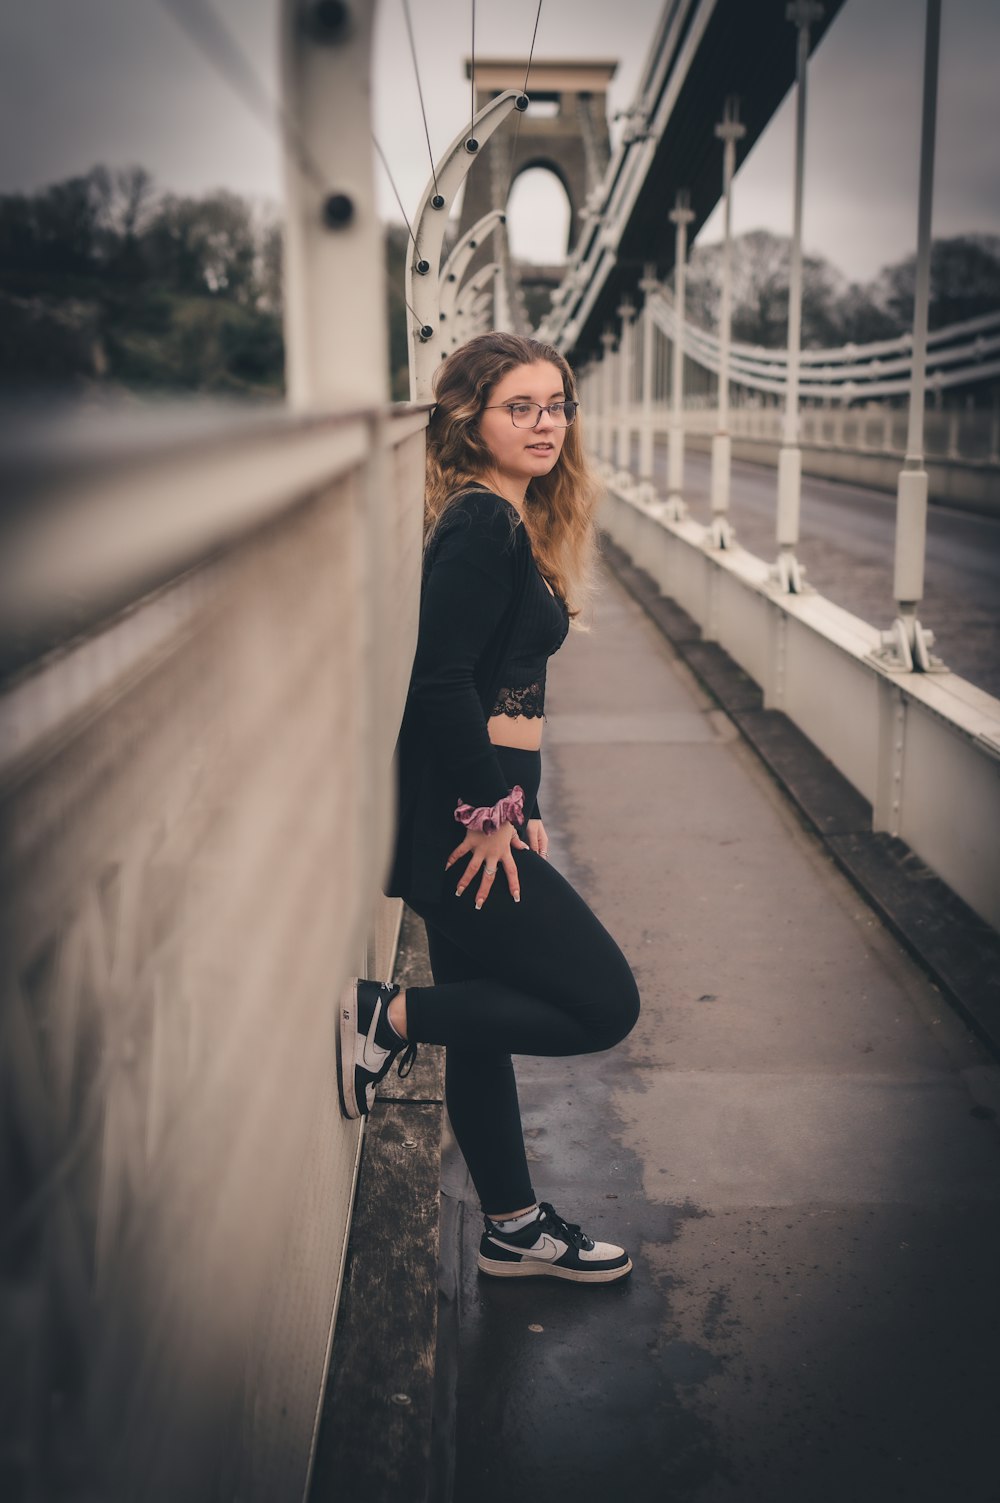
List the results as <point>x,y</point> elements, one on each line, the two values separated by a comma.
<point>373,1056</point>
<point>546,1248</point>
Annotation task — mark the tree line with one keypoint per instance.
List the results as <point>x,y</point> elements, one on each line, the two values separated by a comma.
<point>964,283</point>
<point>104,278</point>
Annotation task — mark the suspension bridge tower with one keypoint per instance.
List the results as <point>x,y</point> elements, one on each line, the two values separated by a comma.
<point>564,131</point>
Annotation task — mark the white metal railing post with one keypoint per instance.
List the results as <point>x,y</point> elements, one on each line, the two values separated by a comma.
<point>334,294</point>
<point>597,404</point>
<point>647,287</point>
<point>503,312</point>
<point>787,571</point>
<point>626,313</point>
<point>503,315</point>
<point>954,419</point>
<point>582,389</point>
<point>607,394</point>
<point>720,534</point>
<point>335,308</point>
<point>906,645</point>
<point>681,216</point>
<point>588,382</point>
<point>594,414</point>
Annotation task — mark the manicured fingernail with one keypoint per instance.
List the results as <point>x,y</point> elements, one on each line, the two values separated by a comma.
<point>517,897</point>
<point>479,905</point>
<point>458,892</point>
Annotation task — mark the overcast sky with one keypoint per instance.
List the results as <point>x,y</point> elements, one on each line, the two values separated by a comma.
<point>118,81</point>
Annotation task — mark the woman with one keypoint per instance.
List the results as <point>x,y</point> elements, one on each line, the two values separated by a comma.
<point>520,963</point>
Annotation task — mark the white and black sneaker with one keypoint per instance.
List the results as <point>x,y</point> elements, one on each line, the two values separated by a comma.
<point>549,1247</point>
<point>367,1044</point>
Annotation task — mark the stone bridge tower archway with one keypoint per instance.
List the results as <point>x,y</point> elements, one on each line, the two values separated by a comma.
<point>564,130</point>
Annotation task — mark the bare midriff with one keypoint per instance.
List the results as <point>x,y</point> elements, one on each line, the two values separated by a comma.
<point>522,731</point>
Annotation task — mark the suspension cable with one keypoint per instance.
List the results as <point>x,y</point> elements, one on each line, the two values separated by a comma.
<point>472,102</point>
<point>420,92</point>
<point>531,50</point>
<point>392,184</point>
<point>524,90</point>
<point>409,231</point>
<point>212,38</point>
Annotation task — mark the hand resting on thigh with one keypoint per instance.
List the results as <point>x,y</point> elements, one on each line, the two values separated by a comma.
<point>489,852</point>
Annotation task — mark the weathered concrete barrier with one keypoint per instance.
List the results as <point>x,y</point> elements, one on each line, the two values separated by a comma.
<point>207,648</point>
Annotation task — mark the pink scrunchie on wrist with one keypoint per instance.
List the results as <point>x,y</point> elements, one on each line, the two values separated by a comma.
<point>488,819</point>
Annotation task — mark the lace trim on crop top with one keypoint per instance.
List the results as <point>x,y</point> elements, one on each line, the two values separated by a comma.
<point>528,700</point>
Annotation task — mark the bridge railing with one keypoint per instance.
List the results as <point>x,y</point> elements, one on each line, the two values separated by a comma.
<point>208,621</point>
<point>966,435</point>
<point>206,636</point>
<point>860,445</point>
<point>922,748</point>
<point>863,443</point>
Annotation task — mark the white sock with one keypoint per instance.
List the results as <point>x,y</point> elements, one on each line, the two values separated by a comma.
<point>394,993</point>
<point>515,1223</point>
<point>393,1027</point>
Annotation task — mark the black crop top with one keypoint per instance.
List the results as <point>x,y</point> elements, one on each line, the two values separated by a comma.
<point>541,631</point>
<point>473,648</point>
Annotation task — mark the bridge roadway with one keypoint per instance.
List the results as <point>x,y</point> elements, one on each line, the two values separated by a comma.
<point>798,1143</point>
<point>847,544</point>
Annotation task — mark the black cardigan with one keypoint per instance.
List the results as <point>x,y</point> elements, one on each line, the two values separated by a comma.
<point>473,588</point>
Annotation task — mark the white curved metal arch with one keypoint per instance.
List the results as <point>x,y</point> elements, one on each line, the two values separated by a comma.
<point>423,270</point>
<point>472,294</point>
<point>454,268</point>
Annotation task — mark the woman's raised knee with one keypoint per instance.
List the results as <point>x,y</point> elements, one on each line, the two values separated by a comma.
<point>617,1011</point>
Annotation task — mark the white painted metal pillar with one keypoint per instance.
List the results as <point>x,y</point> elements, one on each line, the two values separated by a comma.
<point>503,317</point>
<point>334,289</point>
<point>583,392</point>
<point>594,417</point>
<point>625,356</point>
<point>503,313</point>
<point>906,646</point>
<point>590,396</point>
<point>334,292</point>
<point>788,572</point>
<point>647,287</point>
<point>681,216</point>
<point>720,534</point>
<point>607,395</point>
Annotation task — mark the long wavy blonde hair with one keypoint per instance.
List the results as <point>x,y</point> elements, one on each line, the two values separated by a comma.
<point>559,514</point>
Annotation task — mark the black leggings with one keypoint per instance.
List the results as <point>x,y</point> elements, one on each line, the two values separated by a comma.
<point>542,976</point>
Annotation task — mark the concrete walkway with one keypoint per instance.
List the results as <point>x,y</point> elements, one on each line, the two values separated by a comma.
<point>798,1144</point>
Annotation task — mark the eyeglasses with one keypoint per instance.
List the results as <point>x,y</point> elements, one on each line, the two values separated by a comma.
<point>529,414</point>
